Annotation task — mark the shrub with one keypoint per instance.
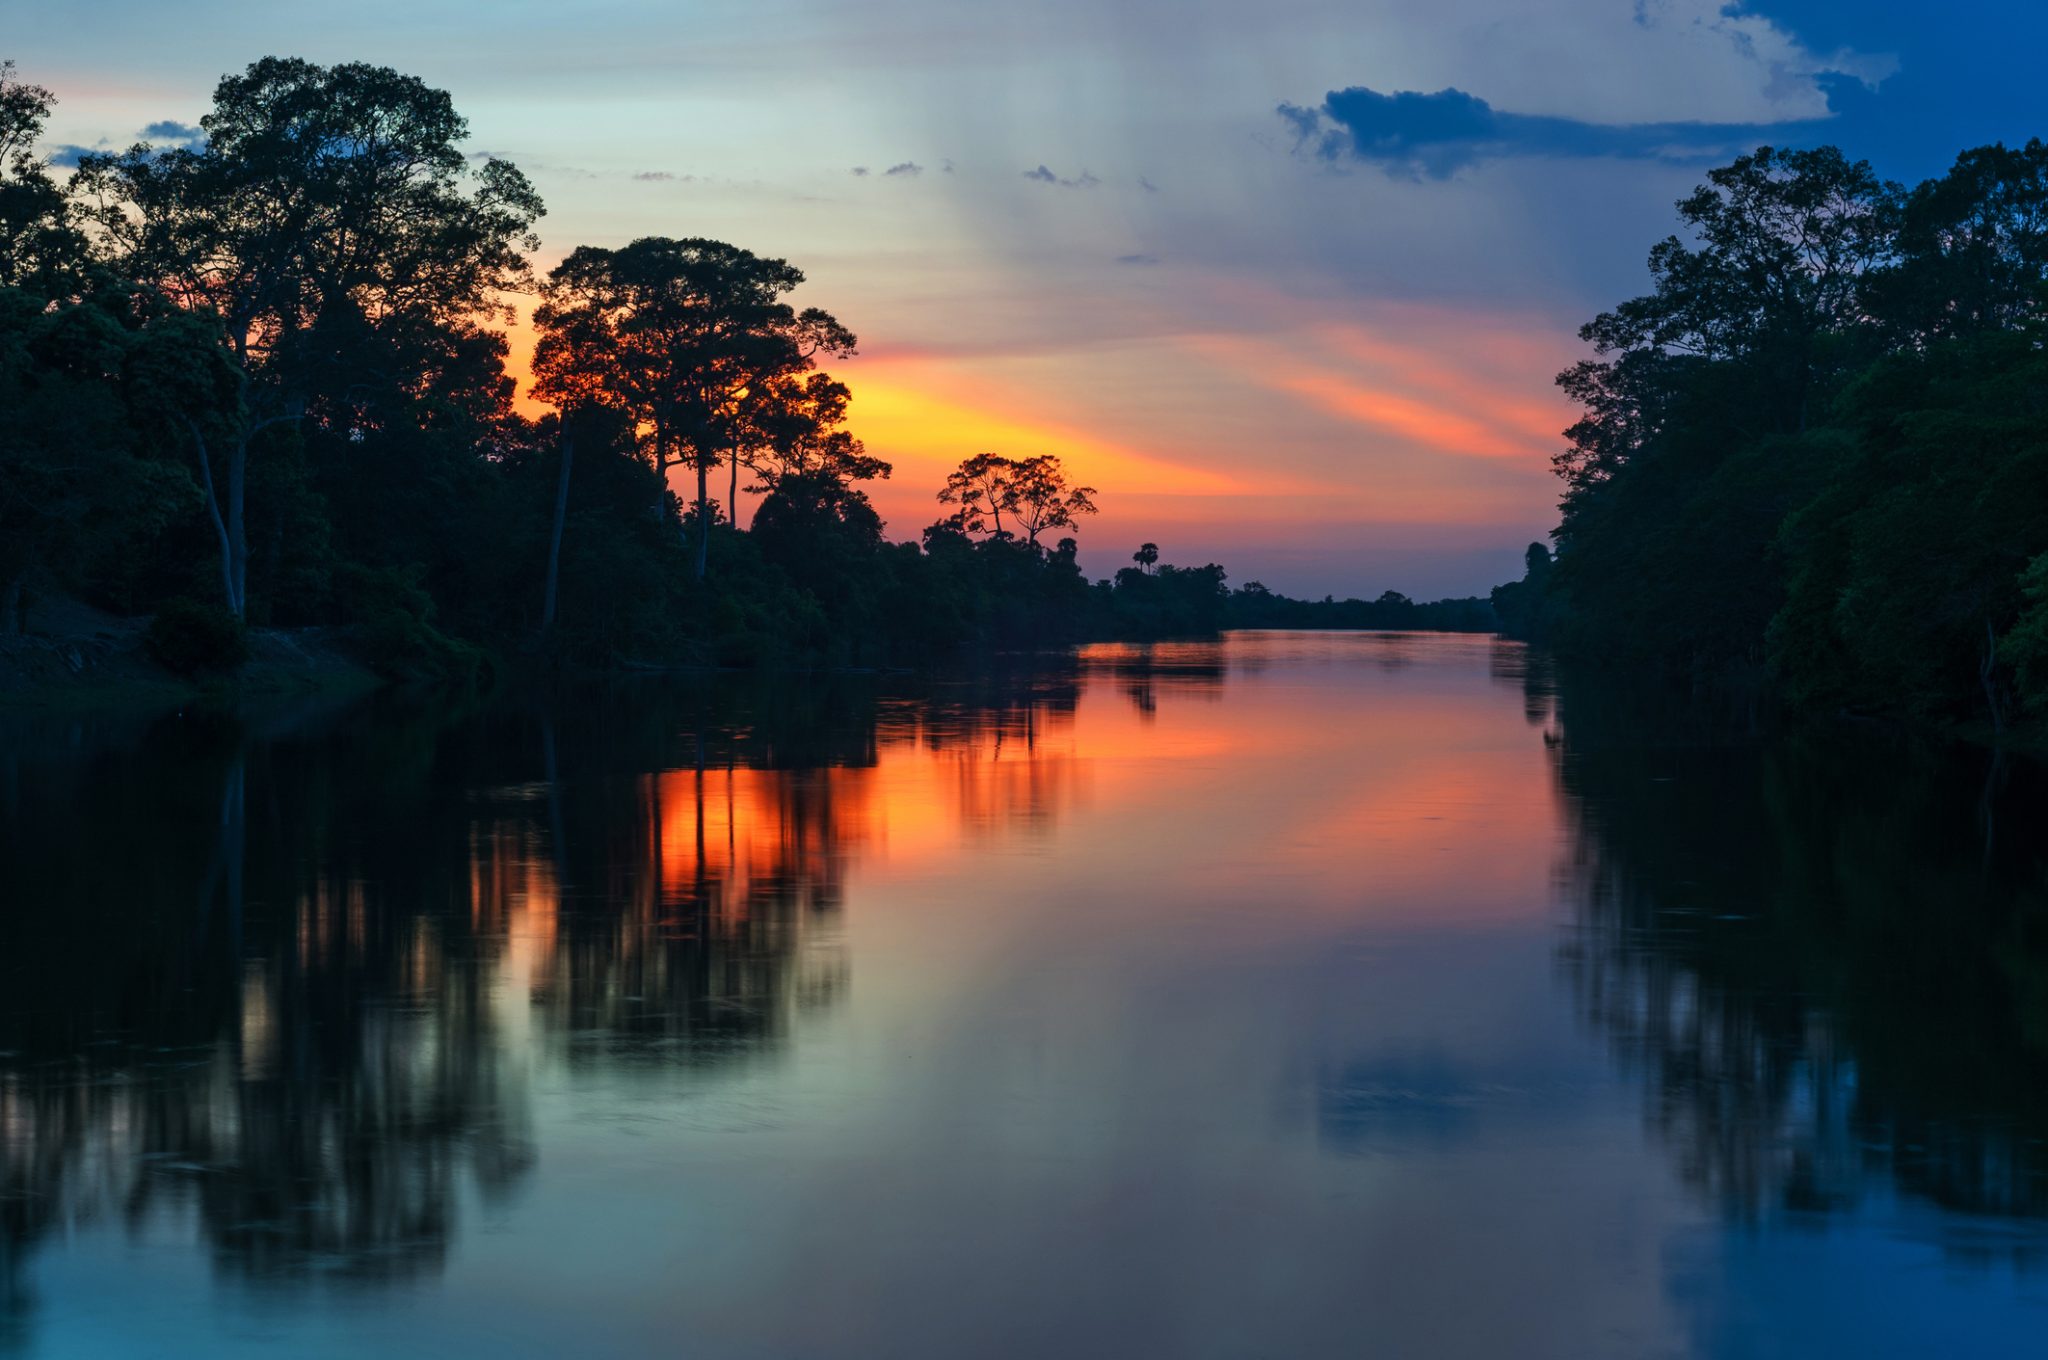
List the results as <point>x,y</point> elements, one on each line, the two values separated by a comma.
<point>192,638</point>
<point>395,631</point>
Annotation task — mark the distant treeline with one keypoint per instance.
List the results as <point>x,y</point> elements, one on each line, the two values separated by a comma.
<point>1254,606</point>
<point>1818,449</point>
<point>255,374</point>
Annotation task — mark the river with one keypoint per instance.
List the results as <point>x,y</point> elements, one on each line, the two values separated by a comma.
<point>1286,995</point>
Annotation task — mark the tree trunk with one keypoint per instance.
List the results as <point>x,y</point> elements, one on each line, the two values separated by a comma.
<point>220,530</point>
<point>547,612</point>
<point>732,495</point>
<point>1986,671</point>
<point>238,539</point>
<point>703,517</point>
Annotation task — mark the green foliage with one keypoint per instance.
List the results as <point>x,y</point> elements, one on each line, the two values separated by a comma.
<point>394,627</point>
<point>41,249</point>
<point>2025,648</point>
<point>193,637</point>
<point>88,489</point>
<point>1519,606</point>
<point>1818,448</point>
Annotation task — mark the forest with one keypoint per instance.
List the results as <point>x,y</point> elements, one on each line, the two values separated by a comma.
<point>258,380</point>
<point>1815,455</point>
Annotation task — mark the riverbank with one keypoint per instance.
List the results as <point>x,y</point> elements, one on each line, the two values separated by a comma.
<point>73,657</point>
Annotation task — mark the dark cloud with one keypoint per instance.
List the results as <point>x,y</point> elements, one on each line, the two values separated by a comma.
<point>946,167</point>
<point>905,169</point>
<point>1147,185</point>
<point>162,136</point>
<point>1137,259</point>
<point>1084,180</point>
<point>859,171</point>
<point>1436,135</point>
<point>660,177</point>
<point>169,130</point>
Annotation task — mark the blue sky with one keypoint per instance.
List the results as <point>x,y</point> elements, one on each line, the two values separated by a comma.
<point>1308,336</point>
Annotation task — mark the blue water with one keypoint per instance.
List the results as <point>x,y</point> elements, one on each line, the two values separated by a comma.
<point>1289,995</point>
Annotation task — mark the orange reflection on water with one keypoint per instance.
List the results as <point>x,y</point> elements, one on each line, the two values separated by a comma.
<point>732,837</point>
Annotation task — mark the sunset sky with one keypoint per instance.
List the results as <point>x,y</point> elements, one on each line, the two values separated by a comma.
<point>1307,334</point>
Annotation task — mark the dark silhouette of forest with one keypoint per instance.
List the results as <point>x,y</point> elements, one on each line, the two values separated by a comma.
<point>1816,451</point>
<point>259,380</point>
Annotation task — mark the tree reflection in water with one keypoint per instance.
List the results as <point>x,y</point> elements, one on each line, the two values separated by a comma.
<point>1824,954</point>
<point>288,979</point>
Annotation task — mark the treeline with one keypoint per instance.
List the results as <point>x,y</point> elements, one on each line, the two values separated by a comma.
<point>1817,450</point>
<point>1252,605</point>
<point>256,376</point>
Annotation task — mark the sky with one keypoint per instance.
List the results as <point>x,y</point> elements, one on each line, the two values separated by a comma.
<point>1287,282</point>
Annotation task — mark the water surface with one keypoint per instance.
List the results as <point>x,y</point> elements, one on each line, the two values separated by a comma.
<point>1297,994</point>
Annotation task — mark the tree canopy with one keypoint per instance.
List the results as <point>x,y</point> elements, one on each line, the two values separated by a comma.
<point>1814,449</point>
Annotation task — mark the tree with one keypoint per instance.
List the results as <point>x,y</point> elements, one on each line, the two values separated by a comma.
<point>1972,248</point>
<point>41,249</point>
<point>1148,553</point>
<point>84,385</point>
<point>335,230</point>
<point>1034,492</point>
<point>690,339</point>
<point>795,434</point>
<point>1784,246</point>
<point>1041,498</point>
<point>980,486</point>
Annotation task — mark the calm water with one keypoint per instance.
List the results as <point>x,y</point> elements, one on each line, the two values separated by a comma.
<point>1295,995</point>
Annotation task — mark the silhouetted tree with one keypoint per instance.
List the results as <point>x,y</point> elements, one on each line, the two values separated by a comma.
<point>1148,553</point>
<point>41,249</point>
<point>690,338</point>
<point>1033,491</point>
<point>332,225</point>
<point>1042,499</point>
<point>981,487</point>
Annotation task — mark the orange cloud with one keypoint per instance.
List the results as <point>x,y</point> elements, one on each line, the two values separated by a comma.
<point>1466,419</point>
<point>1508,408</point>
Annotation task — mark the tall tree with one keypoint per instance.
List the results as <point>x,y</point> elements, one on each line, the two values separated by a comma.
<point>331,222</point>
<point>797,431</point>
<point>1042,499</point>
<point>1033,492</point>
<point>981,488</point>
<point>1784,245</point>
<point>688,338</point>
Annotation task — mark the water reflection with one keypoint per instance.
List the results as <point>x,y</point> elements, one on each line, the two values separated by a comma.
<point>287,979</point>
<point>1208,998</point>
<point>1823,956</point>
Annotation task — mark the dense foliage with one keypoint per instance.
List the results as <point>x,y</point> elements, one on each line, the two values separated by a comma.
<point>258,379</point>
<point>1818,449</point>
